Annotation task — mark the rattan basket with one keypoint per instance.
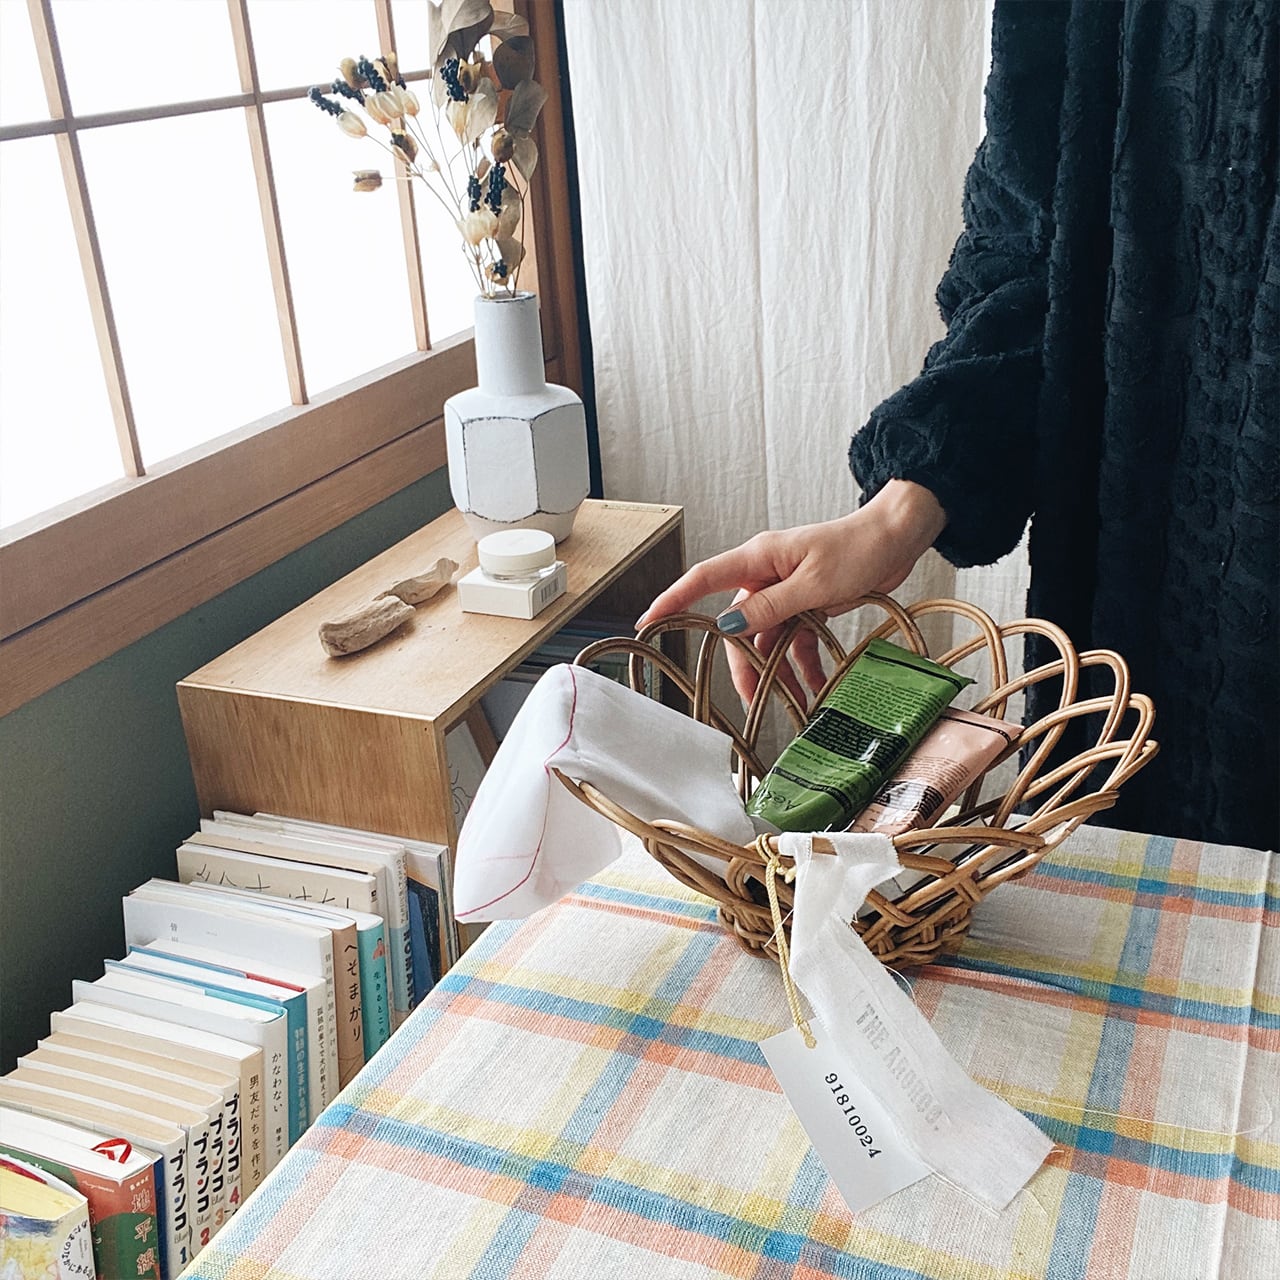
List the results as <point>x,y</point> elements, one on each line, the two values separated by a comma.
<point>992,839</point>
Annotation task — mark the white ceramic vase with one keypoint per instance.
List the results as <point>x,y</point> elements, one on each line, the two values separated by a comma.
<point>517,445</point>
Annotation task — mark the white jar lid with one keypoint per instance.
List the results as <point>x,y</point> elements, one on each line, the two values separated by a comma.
<point>513,551</point>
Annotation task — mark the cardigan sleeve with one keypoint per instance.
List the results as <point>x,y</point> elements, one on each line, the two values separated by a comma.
<point>965,428</point>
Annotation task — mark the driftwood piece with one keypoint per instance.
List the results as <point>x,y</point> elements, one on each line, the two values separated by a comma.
<point>425,585</point>
<point>366,626</point>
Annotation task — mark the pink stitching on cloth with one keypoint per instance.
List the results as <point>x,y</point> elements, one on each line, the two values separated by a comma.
<point>573,709</point>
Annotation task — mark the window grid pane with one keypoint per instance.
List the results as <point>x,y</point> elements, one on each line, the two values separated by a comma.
<point>188,274</point>
<point>346,253</point>
<point>140,53</point>
<point>22,95</point>
<point>56,435</point>
<point>302,41</point>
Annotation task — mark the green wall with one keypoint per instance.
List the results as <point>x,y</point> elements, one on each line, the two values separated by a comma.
<point>95,789</point>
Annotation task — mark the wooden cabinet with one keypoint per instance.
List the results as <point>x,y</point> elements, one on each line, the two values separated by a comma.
<point>275,725</point>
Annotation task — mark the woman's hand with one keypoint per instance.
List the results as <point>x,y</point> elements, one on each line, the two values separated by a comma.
<point>820,567</point>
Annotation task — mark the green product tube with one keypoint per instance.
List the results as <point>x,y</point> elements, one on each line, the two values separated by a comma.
<point>884,704</point>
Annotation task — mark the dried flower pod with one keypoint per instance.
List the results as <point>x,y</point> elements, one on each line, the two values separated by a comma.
<point>351,125</point>
<point>522,111</point>
<point>405,147</point>
<point>408,101</point>
<point>326,105</point>
<point>371,74</point>
<point>470,74</point>
<point>376,113</point>
<point>482,112</point>
<point>513,61</point>
<point>526,157</point>
<point>478,226</point>
<point>512,251</point>
<point>447,83</point>
<point>503,146</point>
<point>392,64</point>
<point>509,212</point>
<point>471,118</point>
<point>506,25</point>
<point>366,179</point>
<point>380,64</point>
<point>470,24</point>
<point>349,73</point>
<point>457,113</point>
<point>389,104</point>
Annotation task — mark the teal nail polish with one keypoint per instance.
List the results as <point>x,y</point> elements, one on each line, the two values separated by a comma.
<point>732,622</point>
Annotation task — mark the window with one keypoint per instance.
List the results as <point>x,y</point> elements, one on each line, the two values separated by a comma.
<point>211,349</point>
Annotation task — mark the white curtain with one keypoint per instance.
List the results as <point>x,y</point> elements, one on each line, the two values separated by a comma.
<point>770,193</point>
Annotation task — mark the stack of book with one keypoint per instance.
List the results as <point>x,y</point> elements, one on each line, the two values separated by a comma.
<point>254,988</point>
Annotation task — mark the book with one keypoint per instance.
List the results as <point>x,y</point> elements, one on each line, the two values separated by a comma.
<point>118,1180</point>
<point>264,995</point>
<point>343,943</point>
<point>466,769</point>
<point>206,1161</point>
<point>225,1086</point>
<point>424,934</point>
<point>197,1050</point>
<point>430,872</point>
<point>192,1121</point>
<point>161,909</point>
<point>279,877</point>
<point>166,1139</point>
<point>322,1043</point>
<point>46,1225</point>
<point>364,971</point>
<point>375,998</point>
<point>174,1003</point>
<point>334,847</point>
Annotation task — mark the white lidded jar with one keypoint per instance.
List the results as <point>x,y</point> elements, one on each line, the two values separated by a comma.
<point>517,445</point>
<point>517,555</point>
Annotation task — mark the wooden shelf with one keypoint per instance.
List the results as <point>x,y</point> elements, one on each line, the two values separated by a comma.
<point>275,725</point>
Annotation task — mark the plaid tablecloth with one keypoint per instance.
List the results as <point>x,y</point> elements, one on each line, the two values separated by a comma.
<point>584,1097</point>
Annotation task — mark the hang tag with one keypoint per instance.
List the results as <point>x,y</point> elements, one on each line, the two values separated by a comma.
<point>971,1138</point>
<point>852,1133</point>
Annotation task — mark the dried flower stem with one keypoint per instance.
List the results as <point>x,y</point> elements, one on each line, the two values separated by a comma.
<point>515,278</point>
<point>414,171</point>
<point>491,242</point>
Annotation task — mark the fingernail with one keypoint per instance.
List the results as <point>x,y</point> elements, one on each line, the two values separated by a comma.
<point>732,622</point>
<point>641,620</point>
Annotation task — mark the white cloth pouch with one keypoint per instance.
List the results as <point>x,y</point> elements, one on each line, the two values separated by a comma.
<point>527,841</point>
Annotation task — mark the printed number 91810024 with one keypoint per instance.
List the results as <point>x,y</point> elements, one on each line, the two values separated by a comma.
<point>850,1113</point>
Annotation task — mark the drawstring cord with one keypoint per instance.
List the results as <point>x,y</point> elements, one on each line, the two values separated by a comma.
<point>773,871</point>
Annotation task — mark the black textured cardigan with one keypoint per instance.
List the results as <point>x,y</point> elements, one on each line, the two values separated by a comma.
<point>1111,368</point>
